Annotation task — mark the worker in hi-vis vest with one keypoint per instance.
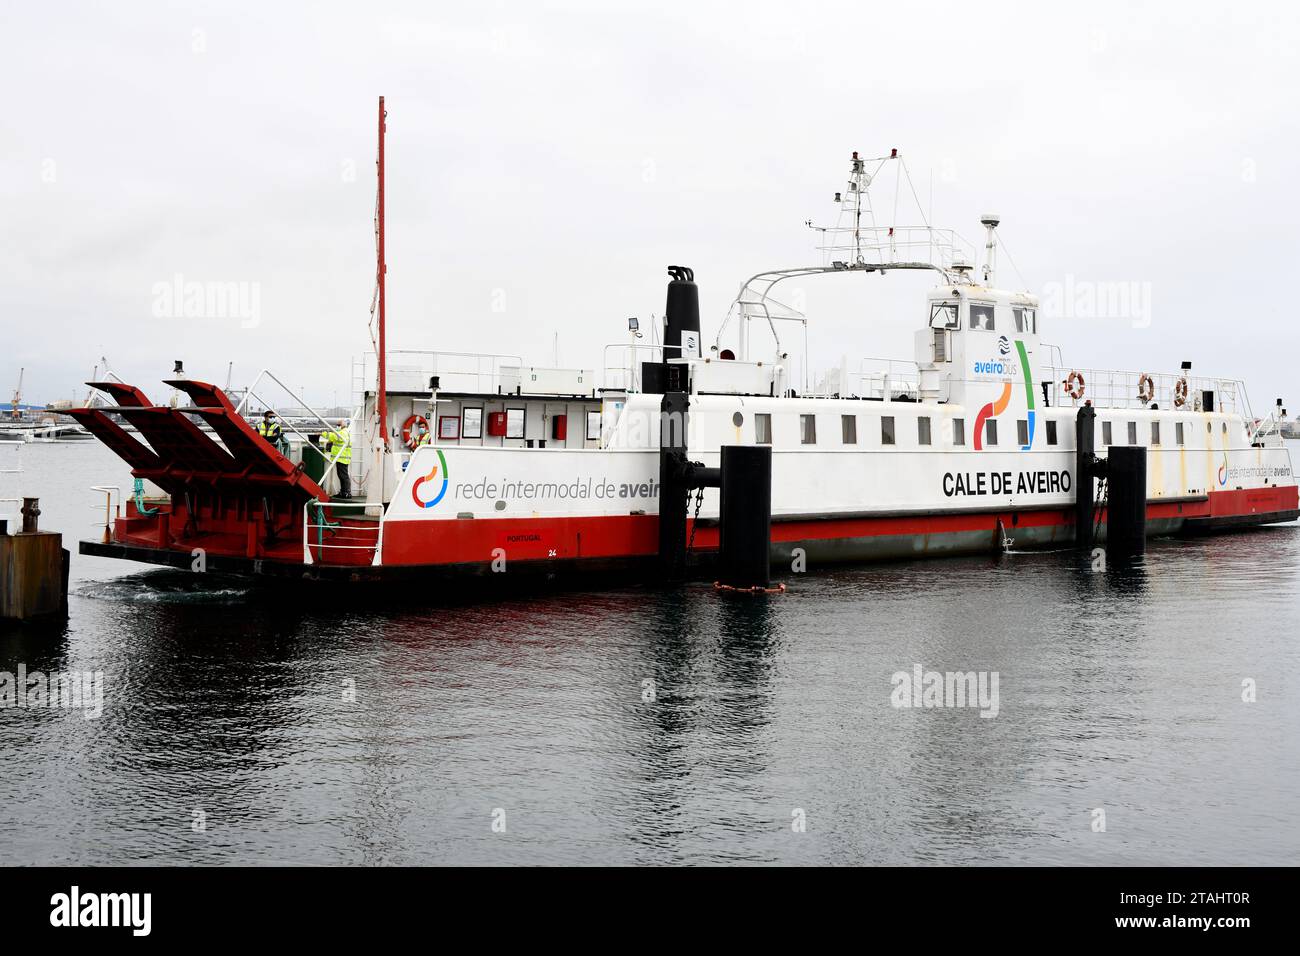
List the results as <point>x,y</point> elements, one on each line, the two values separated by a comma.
<point>426,437</point>
<point>270,429</point>
<point>339,443</point>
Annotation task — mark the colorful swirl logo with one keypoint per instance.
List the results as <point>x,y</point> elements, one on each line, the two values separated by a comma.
<point>1223,470</point>
<point>415,488</point>
<point>995,408</point>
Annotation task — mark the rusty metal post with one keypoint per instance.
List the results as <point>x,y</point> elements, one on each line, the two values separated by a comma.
<point>31,514</point>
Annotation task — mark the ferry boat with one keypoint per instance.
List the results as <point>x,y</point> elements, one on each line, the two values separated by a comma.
<point>476,463</point>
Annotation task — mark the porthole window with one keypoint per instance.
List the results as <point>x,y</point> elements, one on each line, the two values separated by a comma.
<point>737,419</point>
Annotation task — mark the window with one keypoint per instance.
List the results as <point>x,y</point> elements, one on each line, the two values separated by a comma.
<point>981,317</point>
<point>959,431</point>
<point>943,315</point>
<point>1105,433</point>
<point>1178,433</point>
<point>1022,432</point>
<point>1051,432</point>
<point>1132,433</point>
<point>808,429</point>
<point>593,426</point>
<point>471,423</point>
<point>1155,433</point>
<point>514,423</point>
<point>887,429</point>
<point>991,432</point>
<point>923,431</point>
<point>1025,319</point>
<point>762,429</point>
<point>849,429</point>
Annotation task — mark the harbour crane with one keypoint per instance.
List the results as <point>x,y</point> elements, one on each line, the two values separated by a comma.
<point>17,400</point>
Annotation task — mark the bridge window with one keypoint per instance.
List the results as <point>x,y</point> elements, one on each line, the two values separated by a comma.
<point>849,429</point>
<point>1051,432</point>
<point>991,432</point>
<point>887,429</point>
<point>1178,433</point>
<point>981,317</point>
<point>1105,434</point>
<point>1026,320</point>
<point>959,431</point>
<point>808,429</point>
<point>1132,433</point>
<point>1022,432</point>
<point>943,315</point>
<point>1155,433</point>
<point>923,431</point>
<point>762,429</point>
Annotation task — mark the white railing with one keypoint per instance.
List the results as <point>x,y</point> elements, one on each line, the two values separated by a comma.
<point>624,370</point>
<point>409,370</point>
<point>883,245</point>
<point>316,534</point>
<point>884,379</point>
<point>1267,430</point>
<point>11,508</point>
<point>111,513</point>
<point>1115,388</point>
<point>251,394</point>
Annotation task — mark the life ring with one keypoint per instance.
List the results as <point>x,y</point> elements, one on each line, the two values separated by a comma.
<point>1180,392</point>
<point>410,435</point>
<point>1074,386</point>
<point>1146,389</point>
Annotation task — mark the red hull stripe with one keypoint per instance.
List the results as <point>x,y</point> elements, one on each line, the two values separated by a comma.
<point>482,539</point>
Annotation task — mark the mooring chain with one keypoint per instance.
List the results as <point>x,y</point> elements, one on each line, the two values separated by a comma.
<point>1102,495</point>
<point>695,521</point>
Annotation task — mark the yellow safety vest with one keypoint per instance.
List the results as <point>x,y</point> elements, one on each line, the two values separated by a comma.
<point>339,440</point>
<point>269,430</point>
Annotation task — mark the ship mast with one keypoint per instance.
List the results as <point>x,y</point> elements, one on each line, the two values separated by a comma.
<point>381,401</point>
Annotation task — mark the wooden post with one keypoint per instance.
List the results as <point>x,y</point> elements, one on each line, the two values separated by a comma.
<point>32,580</point>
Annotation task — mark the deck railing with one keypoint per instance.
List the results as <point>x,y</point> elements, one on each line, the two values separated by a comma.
<point>320,534</point>
<point>1115,388</point>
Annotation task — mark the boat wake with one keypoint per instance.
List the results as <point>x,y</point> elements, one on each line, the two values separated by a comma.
<point>166,587</point>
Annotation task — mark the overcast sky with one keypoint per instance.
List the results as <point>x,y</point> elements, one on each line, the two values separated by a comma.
<point>546,162</point>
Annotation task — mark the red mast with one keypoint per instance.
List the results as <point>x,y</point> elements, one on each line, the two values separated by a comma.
<point>382,268</point>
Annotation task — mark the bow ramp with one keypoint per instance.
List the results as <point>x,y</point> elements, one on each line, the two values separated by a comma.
<point>230,490</point>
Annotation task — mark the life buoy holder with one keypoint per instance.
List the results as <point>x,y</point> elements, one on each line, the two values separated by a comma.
<point>1075,386</point>
<point>410,434</point>
<point>1180,392</point>
<point>1146,389</point>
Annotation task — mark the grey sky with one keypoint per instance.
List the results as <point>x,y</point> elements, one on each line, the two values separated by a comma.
<point>555,160</point>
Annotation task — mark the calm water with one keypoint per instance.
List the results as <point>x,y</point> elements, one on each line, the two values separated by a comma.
<point>1120,692</point>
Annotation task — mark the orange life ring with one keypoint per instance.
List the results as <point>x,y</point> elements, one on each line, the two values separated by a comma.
<point>410,436</point>
<point>1180,392</point>
<point>1074,386</point>
<point>1146,389</point>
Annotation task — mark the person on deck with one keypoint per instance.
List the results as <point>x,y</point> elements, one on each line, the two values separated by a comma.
<point>339,443</point>
<point>270,429</point>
